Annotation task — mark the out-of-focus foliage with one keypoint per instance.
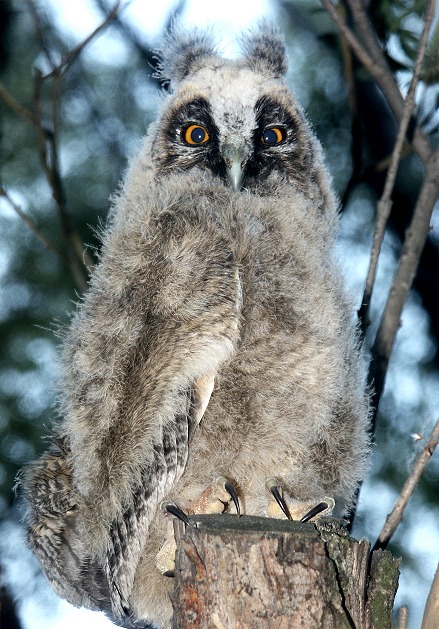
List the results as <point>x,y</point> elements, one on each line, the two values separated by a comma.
<point>104,108</point>
<point>399,22</point>
<point>106,100</point>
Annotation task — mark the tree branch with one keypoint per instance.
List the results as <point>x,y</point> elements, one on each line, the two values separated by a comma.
<point>49,160</point>
<point>394,518</point>
<point>16,107</point>
<point>431,612</point>
<point>371,56</point>
<point>254,572</point>
<point>403,613</point>
<point>33,10</point>
<point>414,242</point>
<point>72,55</point>
<point>376,65</point>
<point>76,256</point>
<point>30,223</point>
<point>385,205</point>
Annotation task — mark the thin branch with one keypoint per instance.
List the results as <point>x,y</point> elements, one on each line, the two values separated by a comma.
<point>32,8</point>
<point>415,238</point>
<point>431,612</point>
<point>73,54</point>
<point>394,518</point>
<point>49,161</point>
<point>357,138</point>
<point>145,52</point>
<point>366,32</point>
<point>388,84</point>
<point>376,65</point>
<point>362,53</point>
<point>49,151</point>
<point>77,256</point>
<point>16,107</point>
<point>403,613</point>
<point>30,223</point>
<point>385,205</point>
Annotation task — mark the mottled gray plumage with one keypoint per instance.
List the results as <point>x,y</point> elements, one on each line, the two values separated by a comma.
<point>217,269</point>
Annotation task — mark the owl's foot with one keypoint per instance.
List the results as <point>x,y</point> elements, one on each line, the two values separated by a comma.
<point>214,499</point>
<point>165,558</point>
<point>282,506</point>
<point>217,497</point>
<point>173,509</point>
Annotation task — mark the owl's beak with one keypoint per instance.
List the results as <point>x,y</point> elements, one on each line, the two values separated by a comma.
<point>235,158</point>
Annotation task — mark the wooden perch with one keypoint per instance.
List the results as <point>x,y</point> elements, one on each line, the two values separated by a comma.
<point>256,573</point>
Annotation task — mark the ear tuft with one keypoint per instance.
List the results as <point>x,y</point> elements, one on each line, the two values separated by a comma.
<point>181,52</point>
<point>264,49</point>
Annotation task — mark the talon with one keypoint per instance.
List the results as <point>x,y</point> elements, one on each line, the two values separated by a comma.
<point>273,486</point>
<point>169,573</point>
<point>232,491</point>
<point>326,505</point>
<point>217,496</point>
<point>177,512</point>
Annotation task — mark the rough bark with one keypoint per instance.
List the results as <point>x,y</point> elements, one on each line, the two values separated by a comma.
<point>256,573</point>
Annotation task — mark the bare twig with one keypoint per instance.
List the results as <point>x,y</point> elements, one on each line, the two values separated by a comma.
<point>49,149</point>
<point>403,613</point>
<point>361,52</point>
<point>76,255</point>
<point>73,54</point>
<point>16,107</point>
<point>357,140</point>
<point>376,64</point>
<point>366,32</point>
<point>414,242</point>
<point>49,160</point>
<point>371,56</point>
<point>145,53</point>
<point>33,10</point>
<point>30,223</point>
<point>385,205</point>
<point>431,612</point>
<point>394,518</point>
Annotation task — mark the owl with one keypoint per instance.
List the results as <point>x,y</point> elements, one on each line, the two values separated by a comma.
<point>214,363</point>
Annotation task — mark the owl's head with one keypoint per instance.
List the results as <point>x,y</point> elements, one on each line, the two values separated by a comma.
<point>236,119</point>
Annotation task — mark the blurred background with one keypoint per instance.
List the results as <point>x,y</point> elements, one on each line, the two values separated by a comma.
<point>105,99</point>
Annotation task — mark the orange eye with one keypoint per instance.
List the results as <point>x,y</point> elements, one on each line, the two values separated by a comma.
<point>196,134</point>
<point>271,136</point>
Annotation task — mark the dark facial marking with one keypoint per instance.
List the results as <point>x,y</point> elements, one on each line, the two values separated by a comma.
<point>277,144</point>
<point>186,145</point>
<point>192,140</point>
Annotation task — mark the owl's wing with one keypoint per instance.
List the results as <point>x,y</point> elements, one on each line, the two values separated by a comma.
<point>53,503</point>
<point>128,532</point>
<point>159,320</point>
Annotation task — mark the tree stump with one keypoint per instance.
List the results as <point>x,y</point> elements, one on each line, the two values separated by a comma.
<point>260,573</point>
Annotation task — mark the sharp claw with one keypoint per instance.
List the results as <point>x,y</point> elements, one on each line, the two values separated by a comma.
<point>169,573</point>
<point>273,486</point>
<point>179,513</point>
<point>232,491</point>
<point>321,506</point>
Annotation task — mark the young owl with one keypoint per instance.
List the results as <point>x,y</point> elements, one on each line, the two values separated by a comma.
<point>215,357</point>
